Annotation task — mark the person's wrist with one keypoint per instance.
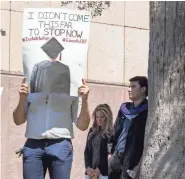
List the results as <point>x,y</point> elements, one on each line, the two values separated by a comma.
<point>84,100</point>
<point>22,99</point>
<point>85,97</point>
<point>87,168</point>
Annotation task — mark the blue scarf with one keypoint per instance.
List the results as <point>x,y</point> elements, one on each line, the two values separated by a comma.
<point>129,113</point>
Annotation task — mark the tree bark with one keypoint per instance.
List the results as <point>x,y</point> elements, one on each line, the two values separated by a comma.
<point>164,154</point>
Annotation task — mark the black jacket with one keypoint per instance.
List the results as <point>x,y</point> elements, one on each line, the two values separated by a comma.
<point>135,138</point>
<point>103,164</point>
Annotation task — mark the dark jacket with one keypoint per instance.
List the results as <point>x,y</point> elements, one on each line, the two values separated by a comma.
<point>135,138</point>
<point>103,164</point>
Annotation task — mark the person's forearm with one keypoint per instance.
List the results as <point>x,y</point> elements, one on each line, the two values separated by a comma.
<point>88,163</point>
<point>19,114</point>
<point>84,118</point>
<point>87,157</point>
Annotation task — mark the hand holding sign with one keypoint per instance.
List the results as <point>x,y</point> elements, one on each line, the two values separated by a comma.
<point>83,91</point>
<point>23,90</point>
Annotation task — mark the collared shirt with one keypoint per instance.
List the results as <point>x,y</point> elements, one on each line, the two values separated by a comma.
<point>120,147</point>
<point>51,116</point>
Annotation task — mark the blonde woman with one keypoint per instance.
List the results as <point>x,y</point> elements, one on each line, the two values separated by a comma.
<point>96,150</point>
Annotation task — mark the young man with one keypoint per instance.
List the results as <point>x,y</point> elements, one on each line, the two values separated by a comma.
<point>49,130</point>
<point>129,129</point>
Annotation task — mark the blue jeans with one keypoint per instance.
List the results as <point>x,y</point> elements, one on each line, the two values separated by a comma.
<point>56,155</point>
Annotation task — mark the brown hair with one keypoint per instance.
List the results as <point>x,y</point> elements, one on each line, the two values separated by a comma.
<point>143,82</point>
<point>106,110</point>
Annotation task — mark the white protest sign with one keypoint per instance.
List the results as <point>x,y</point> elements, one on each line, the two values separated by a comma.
<point>54,46</point>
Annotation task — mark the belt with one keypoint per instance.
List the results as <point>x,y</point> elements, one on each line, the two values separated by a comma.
<point>20,151</point>
<point>52,140</point>
<point>58,139</point>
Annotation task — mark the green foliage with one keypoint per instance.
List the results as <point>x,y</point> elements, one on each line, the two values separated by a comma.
<point>95,7</point>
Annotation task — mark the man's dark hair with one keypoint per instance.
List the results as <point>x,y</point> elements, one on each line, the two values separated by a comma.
<point>142,80</point>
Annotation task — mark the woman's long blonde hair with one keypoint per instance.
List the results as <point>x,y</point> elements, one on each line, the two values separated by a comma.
<point>107,129</point>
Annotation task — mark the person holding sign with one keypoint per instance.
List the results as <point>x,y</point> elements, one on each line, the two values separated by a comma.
<point>50,130</point>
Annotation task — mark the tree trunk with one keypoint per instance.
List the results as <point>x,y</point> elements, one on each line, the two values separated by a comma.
<point>164,154</point>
